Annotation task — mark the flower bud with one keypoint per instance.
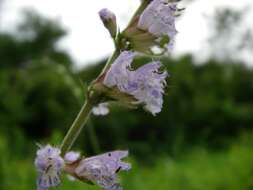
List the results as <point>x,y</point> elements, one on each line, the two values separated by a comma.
<point>109,20</point>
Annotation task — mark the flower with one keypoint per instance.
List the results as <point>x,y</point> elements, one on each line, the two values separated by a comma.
<point>49,164</point>
<point>146,84</point>
<point>101,109</point>
<point>150,86</point>
<point>103,169</point>
<point>119,74</point>
<point>109,20</point>
<point>71,157</point>
<point>159,19</point>
<point>153,31</point>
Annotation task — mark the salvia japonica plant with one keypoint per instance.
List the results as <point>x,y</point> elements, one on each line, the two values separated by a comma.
<point>150,32</point>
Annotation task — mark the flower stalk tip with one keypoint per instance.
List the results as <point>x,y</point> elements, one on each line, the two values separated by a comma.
<point>109,20</point>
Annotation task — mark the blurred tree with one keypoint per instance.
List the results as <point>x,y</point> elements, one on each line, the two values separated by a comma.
<point>231,36</point>
<point>36,38</point>
<point>36,79</point>
<point>208,104</point>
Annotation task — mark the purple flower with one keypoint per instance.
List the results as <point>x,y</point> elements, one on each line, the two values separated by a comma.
<point>49,164</point>
<point>146,83</point>
<point>101,109</point>
<point>150,86</point>
<point>103,169</point>
<point>159,19</point>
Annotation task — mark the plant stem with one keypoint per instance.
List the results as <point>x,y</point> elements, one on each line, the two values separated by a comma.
<point>84,113</point>
<point>76,127</point>
<point>110,61</point>
<point>141,8</point>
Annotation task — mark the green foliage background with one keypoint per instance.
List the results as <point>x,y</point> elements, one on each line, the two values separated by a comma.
<point>201,140</point>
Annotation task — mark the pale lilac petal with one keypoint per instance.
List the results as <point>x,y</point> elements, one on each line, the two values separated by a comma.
<point>103,169</point>
<point>118,73</point>
<point>151,86</point>
<point>159,19</point>
<point>149,68</point>
<point>106,15</point>
<point>71,157</point>
<point>49,164</point>
<point>146,83</point>
<point>146,18</point>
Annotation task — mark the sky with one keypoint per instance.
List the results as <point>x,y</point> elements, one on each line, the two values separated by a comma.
<point>87,39</point>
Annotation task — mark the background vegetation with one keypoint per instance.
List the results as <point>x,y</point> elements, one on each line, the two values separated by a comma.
<point>203,138</point>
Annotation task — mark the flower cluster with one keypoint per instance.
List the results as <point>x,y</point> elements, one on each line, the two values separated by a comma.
<point>145,84</point>
<point>101,169</point>
<point>153,28</point>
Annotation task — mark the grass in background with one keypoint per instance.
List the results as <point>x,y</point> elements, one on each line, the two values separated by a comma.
<point>198,169</point>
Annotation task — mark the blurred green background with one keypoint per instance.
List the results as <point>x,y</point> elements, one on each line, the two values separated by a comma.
<point>203,138</point>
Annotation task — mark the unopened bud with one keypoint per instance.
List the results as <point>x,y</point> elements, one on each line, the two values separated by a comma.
<point>109,20</point>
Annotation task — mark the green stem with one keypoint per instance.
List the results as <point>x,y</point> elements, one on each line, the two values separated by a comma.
<point>141,8</point>
<point>76,127</point>
<point>110,61</point>
<point>84,113</point>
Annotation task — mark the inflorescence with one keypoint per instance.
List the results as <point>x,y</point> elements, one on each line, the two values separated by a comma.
<point>151,32</point>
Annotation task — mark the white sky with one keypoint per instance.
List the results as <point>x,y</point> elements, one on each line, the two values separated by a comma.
<point>88,41</point>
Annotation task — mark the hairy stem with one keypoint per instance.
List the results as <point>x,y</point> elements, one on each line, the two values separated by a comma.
<point>110,61</point>
<point>76,127</point>
<point>83,115</point>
